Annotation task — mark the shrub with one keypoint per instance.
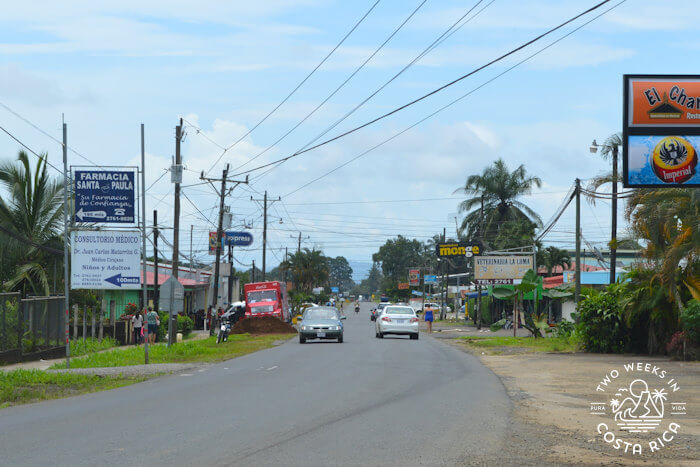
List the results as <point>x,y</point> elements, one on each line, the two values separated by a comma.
<point>601,326</point>
<point>690,322</point>
<point>564,328</point>
<point>184,325</point>
<point>497,325</point>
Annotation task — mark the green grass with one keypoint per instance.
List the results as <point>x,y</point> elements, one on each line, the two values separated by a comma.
<point>548,344</point>
<point>25,386</point>
<point>206,350</point>
<point>91,345</point>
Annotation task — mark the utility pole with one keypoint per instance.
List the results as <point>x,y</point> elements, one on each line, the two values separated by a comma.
<point>191,256</point>
<point>253,271</point>
<point>577,294</point>
<point>264,251</point>
<point>156,291</point>
<point>444,265</point>
<point>219,231</point>
<point>177,177</point>
<point>230,273</point>
<point>286,258</point>
<point>144,255</point>
<point>299,241</point>
<point>613,239</point>
<point>66,227</point>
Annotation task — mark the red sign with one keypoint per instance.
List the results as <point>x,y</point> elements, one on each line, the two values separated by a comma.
<point>414,276</point>
<point>403,285</point>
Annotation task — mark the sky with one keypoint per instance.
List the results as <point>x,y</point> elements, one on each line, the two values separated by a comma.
<point>106,67</point>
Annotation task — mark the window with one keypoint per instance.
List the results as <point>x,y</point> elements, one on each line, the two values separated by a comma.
<point>262,296</point>
<point>322,313</point>
<point>398,310</point>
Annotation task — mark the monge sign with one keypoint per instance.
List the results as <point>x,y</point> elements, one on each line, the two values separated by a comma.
<point>454,249</point>
<point>105,196</point>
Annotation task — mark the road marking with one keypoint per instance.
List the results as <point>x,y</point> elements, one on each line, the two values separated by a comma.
<point>272,368</point>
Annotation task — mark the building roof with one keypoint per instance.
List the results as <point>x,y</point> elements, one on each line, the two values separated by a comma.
<point>572,267</point>
<point>553,281</point>
<point>164,277</point>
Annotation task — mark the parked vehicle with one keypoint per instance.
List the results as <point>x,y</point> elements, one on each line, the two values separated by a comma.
<point>267,299</point>
<point>394,319</point>
<point>377,310</point>
<point>436,307</point>
<point>321,322</point>
<point>224,329</point>
<point>235,312</point>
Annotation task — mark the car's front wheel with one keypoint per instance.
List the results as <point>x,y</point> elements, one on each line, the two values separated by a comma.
<point>302,339</point>
<point>380,335</point>
<point>414,336</point>
<point>340,339</point>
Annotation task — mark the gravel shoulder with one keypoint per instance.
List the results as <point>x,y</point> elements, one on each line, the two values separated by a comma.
<point>551,420</point>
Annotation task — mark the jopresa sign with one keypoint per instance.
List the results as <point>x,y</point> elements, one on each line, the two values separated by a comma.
<point>661,131</point>
<point>104,196</point>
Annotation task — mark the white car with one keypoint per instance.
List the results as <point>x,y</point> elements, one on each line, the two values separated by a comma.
<point>397,319</point>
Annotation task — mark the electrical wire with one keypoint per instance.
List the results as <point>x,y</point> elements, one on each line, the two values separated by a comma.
<point>396,135</point>
<point>433,92</point>
<point>31,150</point>
<point>298,85</point>
<point>338,88</point>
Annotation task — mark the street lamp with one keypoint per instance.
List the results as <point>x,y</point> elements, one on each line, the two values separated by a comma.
<point>608,148</point>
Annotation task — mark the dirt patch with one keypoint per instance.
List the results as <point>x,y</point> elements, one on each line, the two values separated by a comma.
<point>263,325</point>
<point>552,421</point>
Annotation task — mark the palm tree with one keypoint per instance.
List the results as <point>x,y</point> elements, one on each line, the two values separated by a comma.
<point>668,220</point>
<point>492,200</point>
<point>309,268</point>
<point>554,257</point>
<point>31,217</point>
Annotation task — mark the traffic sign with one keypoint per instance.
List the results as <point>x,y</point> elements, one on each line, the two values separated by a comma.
<point>335,289</point>
<point>172,296</point>
<point>104,196</point>
<point>430,279</point>
<point>105,260</point>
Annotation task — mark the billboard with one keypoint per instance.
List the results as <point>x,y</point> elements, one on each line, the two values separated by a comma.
<point>430,279</point>
<point>105,260</point>
<point>661,131</point>
<point>491,270</point>
<point>414,276</point>
<point>403,286</point>
<point>105,196</point>
<point>454,249</point>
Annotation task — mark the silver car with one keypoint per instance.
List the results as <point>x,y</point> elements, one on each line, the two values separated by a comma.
<point>321,322</point>
<point>395,319</point>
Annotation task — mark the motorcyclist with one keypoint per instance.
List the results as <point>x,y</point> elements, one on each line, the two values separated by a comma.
<point>357,307</point>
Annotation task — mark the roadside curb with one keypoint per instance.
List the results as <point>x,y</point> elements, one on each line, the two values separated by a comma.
<point>132,370</point>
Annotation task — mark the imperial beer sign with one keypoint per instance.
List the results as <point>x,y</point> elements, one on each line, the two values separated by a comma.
<point>661,131</point>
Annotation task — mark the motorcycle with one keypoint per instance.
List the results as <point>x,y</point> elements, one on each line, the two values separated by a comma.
<point>357,309</point>
<point>224,330</point>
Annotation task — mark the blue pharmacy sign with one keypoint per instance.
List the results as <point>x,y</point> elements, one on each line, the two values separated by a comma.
<point>237,238</point>
<point>104,196</point>
<point>335,289</point>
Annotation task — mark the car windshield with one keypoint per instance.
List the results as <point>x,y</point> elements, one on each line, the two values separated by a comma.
<point>262,296</point>
<point>398,310</point>
<point>320,313</point>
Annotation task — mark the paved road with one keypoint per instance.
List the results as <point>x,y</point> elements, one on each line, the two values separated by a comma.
<point>367,401</point>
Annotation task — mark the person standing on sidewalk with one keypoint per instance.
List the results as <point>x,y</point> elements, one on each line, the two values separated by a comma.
<point>152,320</point>
<point>429,317</point>
<point>137,322</point>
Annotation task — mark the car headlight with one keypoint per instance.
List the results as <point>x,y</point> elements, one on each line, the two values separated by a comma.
<point>306,328</point>
<point>334,328</point>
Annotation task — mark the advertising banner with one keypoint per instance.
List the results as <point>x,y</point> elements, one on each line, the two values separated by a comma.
<point>237,238</point>
<point>105,260</point>
<point>430,279</point>
<point>403,285</point>
<point>335,289</point>
<point>104,196</point>
<point>454,249</point>
<point>414,276</point>
<point>661,131</point>
<point>490,270</point>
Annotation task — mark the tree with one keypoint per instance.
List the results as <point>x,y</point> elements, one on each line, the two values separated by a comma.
<point>309,268</point>
<point>608,151</point>
<point>492,200</point>
<point>396,256</point>
<point>340,273</point>
<point>31,218</point>
<point>553,257</point>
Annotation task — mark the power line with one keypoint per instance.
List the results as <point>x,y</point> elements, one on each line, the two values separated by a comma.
<point>297,87</point>
<point>338,88</point>
<point>431,93</point>
<point>46,159</point>
<point>396,135</point>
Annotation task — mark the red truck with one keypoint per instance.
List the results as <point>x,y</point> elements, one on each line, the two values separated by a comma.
<point>267,299</point>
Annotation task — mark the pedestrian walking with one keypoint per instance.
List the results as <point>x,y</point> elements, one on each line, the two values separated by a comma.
<point>152,320</point>
<point>137,323</point>
<point>429,318</point>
